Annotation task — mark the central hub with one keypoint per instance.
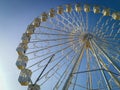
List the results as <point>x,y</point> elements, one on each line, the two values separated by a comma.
<point>85,38</point>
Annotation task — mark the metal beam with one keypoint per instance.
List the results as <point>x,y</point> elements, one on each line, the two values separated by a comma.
<point>97,60</point>
<point>74,69</point>
<point>106,68</point>
<point>107,56</point>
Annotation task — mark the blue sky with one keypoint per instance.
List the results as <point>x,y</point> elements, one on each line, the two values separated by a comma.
<point>15,15</point>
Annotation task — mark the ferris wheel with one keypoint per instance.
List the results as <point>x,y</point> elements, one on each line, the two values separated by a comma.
<point>72,47</point>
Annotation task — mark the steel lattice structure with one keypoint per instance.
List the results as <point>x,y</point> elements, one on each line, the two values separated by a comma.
<point>73,47</point>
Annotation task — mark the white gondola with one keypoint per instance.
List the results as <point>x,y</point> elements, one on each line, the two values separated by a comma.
<point>33,87</point>
<point>52,12</point>
<point>87,8</point>
<point>21,49</point>
<point>106,12</point>
<point>37,22</point>
<point>22,62</point>
<point>25,77</point>
<point>30,29</point>
<point>25,38</point>
<point>96,9</point>
<point>60,10</point>
<point>116,15</point>
<point>68,8</point>
<point>23,45</point>
<point>78,8</point>
<point>44,17</point>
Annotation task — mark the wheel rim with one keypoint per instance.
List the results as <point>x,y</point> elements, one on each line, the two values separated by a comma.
<point>84,40</point>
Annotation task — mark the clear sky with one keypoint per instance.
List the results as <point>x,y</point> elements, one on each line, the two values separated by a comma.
<point>15,15</point>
